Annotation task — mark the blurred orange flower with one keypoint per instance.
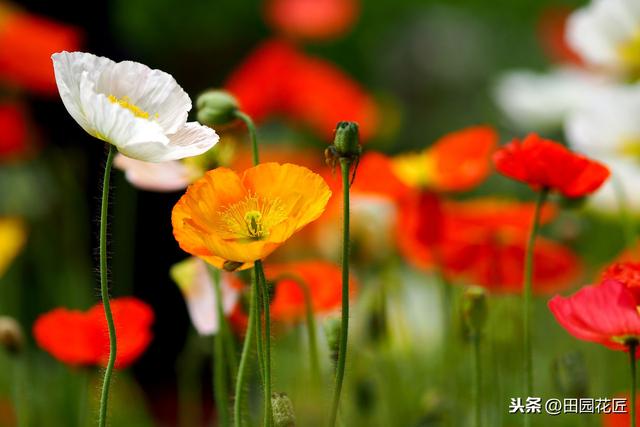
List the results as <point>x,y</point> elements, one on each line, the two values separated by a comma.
<point>484,242</point>
<point>278,79</point>
<point>312,19</point>
<point>26,45</point>
<point>458,161</point>
<point>81,338</point>
<point>543,163</point>
<point>231,221</point>
<point>621,419</point>
<point>13,236</point>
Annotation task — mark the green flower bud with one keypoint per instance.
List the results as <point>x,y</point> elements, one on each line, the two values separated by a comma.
<point>570,374</point>
<point>347,140</point>
<point>474,309</point>
<point>11,337</point>
<point>283,414</point>
<point>332,332</point>
<point>216,107</point>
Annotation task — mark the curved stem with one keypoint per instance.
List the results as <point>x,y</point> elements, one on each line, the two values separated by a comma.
<point>266,301</point>
<point>528,291</point>
<point>345,165</point>
<point>241,379</point>
<point>220,377</point>
<point>633,346</point>
<point>104,288</point>
<point>252,134</point>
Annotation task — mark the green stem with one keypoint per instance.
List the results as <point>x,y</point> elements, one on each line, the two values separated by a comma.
<point>220,378</point>
<point>104,288</point>
<point>345,165</point>
<point>258,321</point>
<point>528,292</point>
<point>241,379</point>
<point>224,329</point>
<point>633,345</point>
<point>252,134</point>
<point>477,380</point>
<point>266,301</point>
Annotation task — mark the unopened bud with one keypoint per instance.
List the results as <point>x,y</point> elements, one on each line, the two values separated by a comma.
<point>231,266</point>
<point>474,308</point>
<point>216,107</point>
<point>283,414</point>
<point>347,140</point>
<point>332,332</point>
<point>11,337</point>
<point>570,374</point>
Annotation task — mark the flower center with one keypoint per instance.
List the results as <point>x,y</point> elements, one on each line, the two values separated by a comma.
<point>251,218</point>
<point>125,102</point>
<point>629,52</point>
<point>630,147</point>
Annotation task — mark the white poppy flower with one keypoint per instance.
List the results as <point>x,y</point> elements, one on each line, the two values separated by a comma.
<point>173,175</point>
<point>143,112</point>
<point>536,101</point>
<point>606,33</point>
<point>193,278</point>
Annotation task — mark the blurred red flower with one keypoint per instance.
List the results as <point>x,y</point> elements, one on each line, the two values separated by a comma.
<point>627,273</point>
<point>458,161</point>
<point>484,242</point>
<point>621,419</point>
<point>15,134</point>
<point>606,313</point>
<point>26,45</point>
<point>278,79</point>
<point>81,338</point>
<point>551,33</point>
<point>312,19</point>
<point>543,163</point>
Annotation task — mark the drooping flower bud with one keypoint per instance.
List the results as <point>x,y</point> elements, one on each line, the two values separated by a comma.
<point>347,140</point>
<point>216,107</point>
<point>332,332</point>
<point>570,374</point>
<point>11,336</point>
<point>474,309</point>
<point>283,414</point>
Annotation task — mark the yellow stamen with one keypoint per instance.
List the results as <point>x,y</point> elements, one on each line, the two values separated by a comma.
<point>252,218</point>
<point>629,52</point>
<point>631,147</point>
<point>125,102</point>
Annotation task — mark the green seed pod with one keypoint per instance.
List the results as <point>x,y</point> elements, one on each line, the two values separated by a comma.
<point>474,309</point>
<point>216,107</point>
<point>347,139</point>
<point>11,336</point>
<point>283,414</point>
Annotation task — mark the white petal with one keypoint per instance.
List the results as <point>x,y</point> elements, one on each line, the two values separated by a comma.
<point>626,175</point>
<point>153,91</point>
<point>536,101</point>
<point>166,176</point>
<point>69,67</point>
<point>191,140</point>
<point>194,280</point>
<point>114,124</point>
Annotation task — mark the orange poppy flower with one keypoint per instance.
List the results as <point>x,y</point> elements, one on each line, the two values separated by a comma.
<point>323,281</point>
<point>26,45</point>
<point>231,221</point>
<point>484,242</point>
<point>278,79</point>
<point>81,338</point>
<point>312,19</point>
<point>543,163</point>
<point>458,161</point>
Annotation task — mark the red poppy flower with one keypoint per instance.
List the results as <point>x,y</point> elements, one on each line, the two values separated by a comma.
<point>312,19</point>
<point>14,135</point>
<point>627,273</point>
<point>543,163</point>
<point>278,79</point>
<point>81,338</point>
<point>26,45</point>
<point>458,161</point>
<point>484,242</point>
<point>606,314</point>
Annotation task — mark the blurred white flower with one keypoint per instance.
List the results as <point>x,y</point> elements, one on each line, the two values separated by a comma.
<point>173,175</point>
<point>542,101</point>
<point>143,112</point>
<point>606,34</point>
<point>194,280</point>
<point>607,127</point>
